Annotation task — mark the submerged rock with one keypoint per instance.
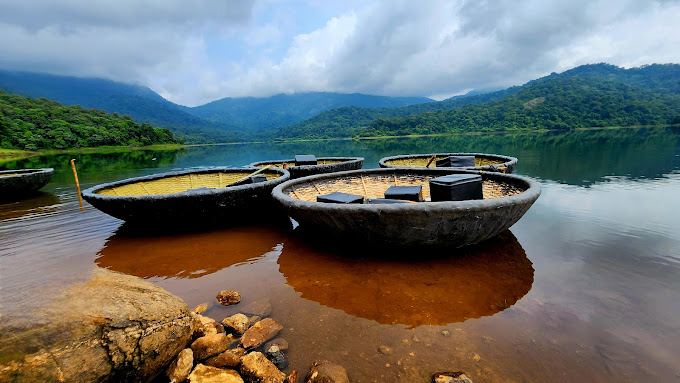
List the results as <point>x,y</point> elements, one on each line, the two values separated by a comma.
<point>237,324</point>
<point>385,350</point>
<point>207,374</point>
<point>229,358</point>
<point>275,355</point>
<point>261,308</point>
<point>210,345</point>
<point>200,309</point>
<point>325,371</point>
<point>181,367</point>
<point>292,378</point>
<point>255,367</point>
<point>281,343</point>
<point>114,327</point>
<point>260,332</point>
<point>228,297</point>
<point>451,377</point>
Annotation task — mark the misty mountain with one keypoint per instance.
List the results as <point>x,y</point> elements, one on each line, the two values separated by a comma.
<point>255,114</point>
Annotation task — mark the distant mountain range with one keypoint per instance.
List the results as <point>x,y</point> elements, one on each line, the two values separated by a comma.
<point>254,114</point>
<point>586,96</point>
<point>228,119</point>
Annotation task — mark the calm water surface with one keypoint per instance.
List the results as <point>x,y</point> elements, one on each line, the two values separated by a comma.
<point>586,287</point>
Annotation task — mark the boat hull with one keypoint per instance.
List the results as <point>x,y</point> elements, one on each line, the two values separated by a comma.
<point>483,161</point>
<point>17,183</point>
<point>439,224</point>
<point>243,203</point>
<point>331,165</point>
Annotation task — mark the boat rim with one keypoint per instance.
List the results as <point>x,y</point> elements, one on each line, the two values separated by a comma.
<point>530,194</point>
<point>507,160</point>
<point>23,172</point>
<point>292,160</point>
<point>91,192</point>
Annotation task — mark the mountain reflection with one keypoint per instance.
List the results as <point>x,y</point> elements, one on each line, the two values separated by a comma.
<point>468,283</point>
<point>185,255</point>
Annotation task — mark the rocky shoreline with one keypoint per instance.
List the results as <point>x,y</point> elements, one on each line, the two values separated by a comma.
<point>117,327</point>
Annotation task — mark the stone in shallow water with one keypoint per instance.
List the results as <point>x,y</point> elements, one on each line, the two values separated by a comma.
<point>281,343</point>
<point>228,297</point>
<point>200,309</point>
<point>237,324</point>
<point>275,355</point>
<point>210,345</point>
<point>181,367</point>
<point>229,358</point>
<point>206,326</point>
<point>325,371</point>
<point>207,374</point>
<point>293,377</point>
<point>451,377</point>
<point>255,367</point>
<point>261,308</point>
<point>260,332</point>
<point>385,350</point>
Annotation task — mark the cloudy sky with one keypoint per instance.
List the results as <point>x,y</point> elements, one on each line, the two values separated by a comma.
<point>192,52</point>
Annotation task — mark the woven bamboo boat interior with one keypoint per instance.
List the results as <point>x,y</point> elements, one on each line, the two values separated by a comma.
<point>374,186</point>
<point>421,162</point>
<point>180,183</point>
<point>292,163</point>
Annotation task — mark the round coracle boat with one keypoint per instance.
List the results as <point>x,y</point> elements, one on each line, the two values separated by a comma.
<point>504,201</point>
<point>323,165</point>
<point>16,183</point>
<point>191,197</point>
<point>482,161</point>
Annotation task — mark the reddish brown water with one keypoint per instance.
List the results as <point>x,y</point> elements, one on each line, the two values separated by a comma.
<point>585,287</point>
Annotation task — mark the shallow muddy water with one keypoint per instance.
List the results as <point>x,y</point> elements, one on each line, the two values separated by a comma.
<point>585,287</point>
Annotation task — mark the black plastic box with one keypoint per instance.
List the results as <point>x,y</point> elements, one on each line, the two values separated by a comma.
<point>338,197</point>
<point>408,193</point>
<point>456,187</point>
<point>305,159</point>
<point>456,162</point>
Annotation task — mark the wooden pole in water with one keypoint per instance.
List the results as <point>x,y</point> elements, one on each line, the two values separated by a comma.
<point>75,174</point>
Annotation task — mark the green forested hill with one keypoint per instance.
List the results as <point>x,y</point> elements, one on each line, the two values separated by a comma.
<point>336,122</point>
<point>255,114</point>
<point>587,96</point>
<point>33,124</point>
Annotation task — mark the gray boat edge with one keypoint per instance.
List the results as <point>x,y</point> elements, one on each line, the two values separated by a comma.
<point>455,224</point>
<point>348,163</point>
<point>508,162</point>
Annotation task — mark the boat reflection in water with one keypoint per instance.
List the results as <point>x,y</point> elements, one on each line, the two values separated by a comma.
<point>471,282</point>
<point>185,255</point>
<point>37,203</point>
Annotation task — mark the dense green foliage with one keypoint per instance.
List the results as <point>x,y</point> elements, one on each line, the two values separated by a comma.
<point>337,122</point>
<point>253,114</point>
<point>139,102</point>
<point>587,96</point>
<point>32,124</point>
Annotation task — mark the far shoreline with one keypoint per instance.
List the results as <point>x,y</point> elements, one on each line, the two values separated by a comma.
<point>17,154</point>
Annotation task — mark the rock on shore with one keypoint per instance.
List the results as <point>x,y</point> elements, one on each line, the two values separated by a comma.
<point>114,327</point>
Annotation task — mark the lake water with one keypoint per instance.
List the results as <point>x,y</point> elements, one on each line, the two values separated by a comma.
<point>585,287</point>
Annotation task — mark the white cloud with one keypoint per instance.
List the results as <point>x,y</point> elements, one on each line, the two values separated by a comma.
<point>194,52</point>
